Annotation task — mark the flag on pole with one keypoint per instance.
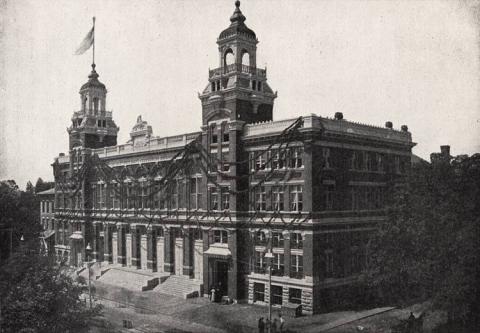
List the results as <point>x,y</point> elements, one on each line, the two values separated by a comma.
<point>87,42</point>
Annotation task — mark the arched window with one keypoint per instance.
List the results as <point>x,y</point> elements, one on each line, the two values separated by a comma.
<point>228,58</point>
<point>84,103</point>
<point>245,58</point>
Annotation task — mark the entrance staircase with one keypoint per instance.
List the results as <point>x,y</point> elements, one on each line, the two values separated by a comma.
<point>180,286</point>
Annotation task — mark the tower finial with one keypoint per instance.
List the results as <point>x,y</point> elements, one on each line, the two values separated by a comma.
<point>237,14</point>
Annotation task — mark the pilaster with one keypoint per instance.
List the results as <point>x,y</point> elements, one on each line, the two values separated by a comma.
<point>151,250</point>
<point>169,264</point>
<point>121,243</point>
<point>188,252</point>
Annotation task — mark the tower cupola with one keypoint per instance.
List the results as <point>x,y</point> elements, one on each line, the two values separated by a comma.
<point>237,89</point>
<point>92,126</point>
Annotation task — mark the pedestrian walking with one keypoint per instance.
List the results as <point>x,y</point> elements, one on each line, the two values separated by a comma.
<point>274,326</point>
<point>282,323</point>
<point>261,326</point>
<point>212,294</point>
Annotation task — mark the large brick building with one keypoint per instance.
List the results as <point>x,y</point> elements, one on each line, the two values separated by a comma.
<point>206,207</point>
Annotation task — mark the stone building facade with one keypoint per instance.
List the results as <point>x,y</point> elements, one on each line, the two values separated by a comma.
<point>47,219</point>
<point>309,191</point>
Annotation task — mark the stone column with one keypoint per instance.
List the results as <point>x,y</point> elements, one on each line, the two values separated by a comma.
<point>135,232</point>
<point>206,282</point>
<point>143,251</point>
<point>169,250</point>
<point>95,242</point>
<point>107,242</point>
<point>151,250</point>
<point>122,253</point>
<point>188,252</point>
<point>286,254</point>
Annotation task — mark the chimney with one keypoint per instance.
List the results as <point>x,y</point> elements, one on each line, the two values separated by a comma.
<point>389,124</point>
<point>404,128</point>
<point>445,151</point>
<point>338,116</point>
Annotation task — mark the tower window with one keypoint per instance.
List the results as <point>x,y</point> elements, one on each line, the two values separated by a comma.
<point>226,137</point>
<point>214,138</point>
<point>254,85</point>
<point>259,86</point>
<point>213,86</point>
<point>95,105</point>
<point>218,85</point>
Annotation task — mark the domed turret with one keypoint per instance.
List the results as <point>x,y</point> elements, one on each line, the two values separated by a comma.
<point>237,27</point>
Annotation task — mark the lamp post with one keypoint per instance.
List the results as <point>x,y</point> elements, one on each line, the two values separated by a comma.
<point>88,249</point>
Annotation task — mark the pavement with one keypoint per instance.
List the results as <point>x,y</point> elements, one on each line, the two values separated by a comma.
<point>155,312</point>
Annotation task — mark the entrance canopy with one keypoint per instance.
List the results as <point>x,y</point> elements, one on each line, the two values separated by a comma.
<point>218,251</point>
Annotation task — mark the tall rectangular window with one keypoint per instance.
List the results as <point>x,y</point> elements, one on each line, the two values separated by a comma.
<point>260,199</point>
<point>327,163</point>
<point>296,269</point>
<point>277,295</point>
<point>296,198</point>
<point>260,238</point>
<point>130,197</point>
<point>277,198</point>
<point>296,240</point>
<point>195,194</point>
<point>260,162</point>
<point>296,158</point>
<point>213,198</point>
<point>260,263</point>
<point>258,292</point>
<point>220,236</point>
<point>114,195</point>
<point>277,264</point>
<point>295,296</point>
<point>144,202</point>
<point>329,196</point>
<point>225,198</point>
<point>277,239</point>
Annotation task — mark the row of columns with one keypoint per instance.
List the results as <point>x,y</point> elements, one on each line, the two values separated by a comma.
<point>142,246</point>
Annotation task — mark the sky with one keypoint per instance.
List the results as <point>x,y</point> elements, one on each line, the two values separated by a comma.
<point>409,62</point>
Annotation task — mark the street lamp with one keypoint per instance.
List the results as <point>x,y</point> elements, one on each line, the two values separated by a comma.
<point>88,249</point>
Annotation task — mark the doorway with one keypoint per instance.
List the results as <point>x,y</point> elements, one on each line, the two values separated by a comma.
<point>221,276</point>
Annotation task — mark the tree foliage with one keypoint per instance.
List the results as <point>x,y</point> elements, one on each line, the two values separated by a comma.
<point>429,246</point>
<point>19,215</point>
<point>38,295</point>
<point>41,185</point>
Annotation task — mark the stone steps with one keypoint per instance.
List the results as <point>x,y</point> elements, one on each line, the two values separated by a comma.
<point>180,286</point>
<point>129,279</point>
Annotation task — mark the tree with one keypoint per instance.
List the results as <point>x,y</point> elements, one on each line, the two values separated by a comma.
<point>29,188</point>
<point>38,295</point>
<point>20,216</point>
<point>429,246</point>
<point>41,185</point>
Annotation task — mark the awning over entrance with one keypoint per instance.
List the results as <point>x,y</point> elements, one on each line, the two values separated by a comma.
<point>77,235</point>
<point>218,251</point>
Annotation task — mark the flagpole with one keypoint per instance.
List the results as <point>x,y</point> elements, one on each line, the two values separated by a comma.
<point>93,40</point>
